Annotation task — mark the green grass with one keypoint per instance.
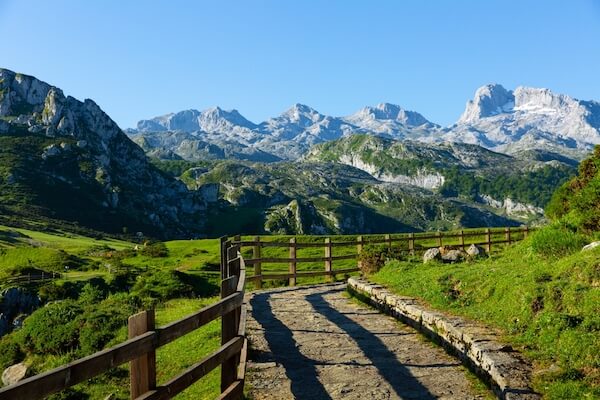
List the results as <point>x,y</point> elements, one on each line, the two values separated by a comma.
<point>64,241</point>
<point>175,357</point>
<point>549,307</point>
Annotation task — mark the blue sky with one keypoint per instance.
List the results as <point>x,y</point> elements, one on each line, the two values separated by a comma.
<point>138,59</point>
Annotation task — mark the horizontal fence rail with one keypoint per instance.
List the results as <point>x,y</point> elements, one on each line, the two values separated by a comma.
<point>410,243</point>
<point>145,338</point>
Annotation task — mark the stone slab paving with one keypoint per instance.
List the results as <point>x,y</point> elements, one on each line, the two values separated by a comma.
<point>315,343</point>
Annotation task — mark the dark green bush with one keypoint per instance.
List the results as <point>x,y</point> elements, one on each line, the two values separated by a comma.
<point>91,294</point>
<point>161,285</point>
<point>373,258</point>
<point>53,329</point>
<point>10,352</point>
<point>156,250</point>
<point>577,203</point>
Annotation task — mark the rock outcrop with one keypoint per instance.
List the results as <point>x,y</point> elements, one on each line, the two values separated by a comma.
<point>102,177</point>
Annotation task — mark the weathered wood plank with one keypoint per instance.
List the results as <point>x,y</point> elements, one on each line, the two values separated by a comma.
<point>142,376</point>
<point>174,330</point>
<point>196,371</point>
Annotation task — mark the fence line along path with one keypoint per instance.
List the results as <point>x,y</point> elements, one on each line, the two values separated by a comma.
<point>145,338</point>
<point>410,243</point>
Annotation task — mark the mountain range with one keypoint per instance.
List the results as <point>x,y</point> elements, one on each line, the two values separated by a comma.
<point>65,163</point>
<point>498,119</point>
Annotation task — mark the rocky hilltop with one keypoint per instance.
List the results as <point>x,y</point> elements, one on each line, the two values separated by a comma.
<point>63,159</point>
<point>528,118</point>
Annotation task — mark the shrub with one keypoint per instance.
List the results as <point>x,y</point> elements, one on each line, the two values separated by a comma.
<point>91,294</point>
<point>373,258</point>
<point>10,352</point>
<point>101,325</point>
<point>155,250</point>
<point>556,241</point>
<point>161,285</point>
<point>53,329</point>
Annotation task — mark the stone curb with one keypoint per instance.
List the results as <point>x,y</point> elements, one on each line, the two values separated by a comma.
<point>497,363</point>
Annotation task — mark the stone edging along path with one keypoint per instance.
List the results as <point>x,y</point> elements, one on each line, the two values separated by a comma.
<point>497,363</point>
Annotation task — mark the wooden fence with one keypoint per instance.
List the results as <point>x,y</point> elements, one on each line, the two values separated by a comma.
<point>411,243</point>
<point>145,338</point>
<point>29,278</point>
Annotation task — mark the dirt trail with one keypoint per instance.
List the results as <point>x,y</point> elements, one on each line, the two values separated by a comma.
<point>314,343</point>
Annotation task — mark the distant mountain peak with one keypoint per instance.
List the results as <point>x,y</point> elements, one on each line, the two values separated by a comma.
<point>388,111</point>
<point>489,100</point>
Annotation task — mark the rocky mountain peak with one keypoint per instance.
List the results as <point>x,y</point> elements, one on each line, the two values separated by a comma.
<point>215,118</point>
<point>542,100</point>
<point>489,100</point>
<point>302,114</point>
<point>79,159</point>
<point>387,112</point>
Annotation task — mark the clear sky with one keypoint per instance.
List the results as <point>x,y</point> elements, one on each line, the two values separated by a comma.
<point>139,59</point>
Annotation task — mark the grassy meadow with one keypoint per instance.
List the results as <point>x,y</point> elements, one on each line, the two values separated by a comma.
<point>542,293</point>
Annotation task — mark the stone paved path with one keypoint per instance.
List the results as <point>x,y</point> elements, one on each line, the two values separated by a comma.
<point>314,343</point>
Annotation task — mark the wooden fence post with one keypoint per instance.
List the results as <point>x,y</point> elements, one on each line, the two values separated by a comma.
<point>143,369</point>
<point>229,323</point>
<point>292,268</point>
<point>488,240</point>
<point>359,248</point>
<point>461,239</point>
<point>223,240</point>
<point>525,232</point>
<point>507,234</point>
<point>388,240</point>
<point>328,261</point>
<point>411,244</point>
<point>439,239</point>
<point>256,253</point>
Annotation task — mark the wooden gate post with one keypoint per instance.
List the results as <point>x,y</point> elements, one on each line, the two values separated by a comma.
<point>461,239</point>
<point>488,240</point>
<point>411,244</point>
<point>439,239</point>
<point>229,321</point>
<point>256,253</point>
<point>359,248</point>
<point>507,235</point>
<point>143,369</point>
<point>292,268</point>
<point>388,240</point>
<point>223,247</point>
<point>525,232</point>
<point>328,261</point>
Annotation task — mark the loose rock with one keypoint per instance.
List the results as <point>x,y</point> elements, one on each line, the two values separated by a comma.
<point>590,246</point>
<point>475,251</point>
<point>453,256</point>
<point>432,255</point>
<point>14,374</point>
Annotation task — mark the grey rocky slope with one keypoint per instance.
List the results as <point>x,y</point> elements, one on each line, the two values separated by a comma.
<point>498,119</point>
<point>63,159</point>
